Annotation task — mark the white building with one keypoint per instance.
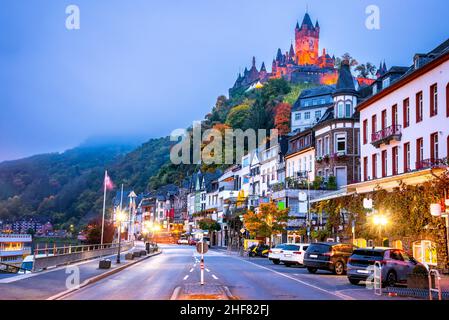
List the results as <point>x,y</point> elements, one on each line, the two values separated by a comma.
<point>405,125</point>
<point>14,247</point>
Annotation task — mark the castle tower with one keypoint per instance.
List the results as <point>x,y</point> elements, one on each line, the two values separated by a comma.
<point>307,39</point>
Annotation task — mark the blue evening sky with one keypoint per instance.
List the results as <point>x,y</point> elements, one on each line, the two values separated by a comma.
<point>142,68</point>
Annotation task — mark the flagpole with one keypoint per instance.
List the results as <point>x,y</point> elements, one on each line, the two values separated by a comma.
<point>104,206</point>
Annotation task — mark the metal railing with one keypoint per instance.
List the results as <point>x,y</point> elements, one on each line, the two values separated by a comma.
<point>431,163</point>
<point>386,134</point>
<point>56,256</point>
<point>437,289</point>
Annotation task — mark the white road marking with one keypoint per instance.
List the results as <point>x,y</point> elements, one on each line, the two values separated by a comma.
<point>213,276</point>
<point>185,278</point>
<point>191,270</point>
<point>337,294</point>
<point>207,270</point>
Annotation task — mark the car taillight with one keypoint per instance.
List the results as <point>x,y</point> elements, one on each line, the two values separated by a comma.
<point>297,252</point>
<point>328,254</point>
<point>269,251</point>
<point>282,251</point>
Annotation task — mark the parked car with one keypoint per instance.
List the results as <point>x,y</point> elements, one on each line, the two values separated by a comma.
<point>396,265</point>
<point>259,250</point>
<point>331,256</point>
<point>293,254</point>
<point>183,241</point>
<point>274,254</point>
<point>193,242</point>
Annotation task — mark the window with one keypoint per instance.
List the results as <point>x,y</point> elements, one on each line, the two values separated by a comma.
<point>434,154</point>
<point>307,115</point>
<point>425,252</point>
<point>374,160</point>
<point>319,148</point>
<point>419,152</point>
<point>386,83</point>
<point>434,100</point>
<point>394,115</point>
<point>263,176</point>
<point>384,119</point>
<point>419,107</point>
<point>298,116</point>
<point>395,159</point>
<point>306,103</point>
<point>365,131</point>
<point>373,124</point>
<point>340,110</point>
<point>340,143</point>
<point>365,169</point>
<point>447,102</point>
<point>407,157</point>
<point>326,145</point>
<point>384,163</point>
<point>406,112</point>
<point>318,114</point>
<point>348,109</point>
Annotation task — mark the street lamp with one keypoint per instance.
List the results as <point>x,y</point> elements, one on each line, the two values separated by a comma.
<point>120,217</point>
<point>380,220</point>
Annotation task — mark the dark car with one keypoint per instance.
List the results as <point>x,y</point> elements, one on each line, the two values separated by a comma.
<point>329,256</point>
<point>396,265</point>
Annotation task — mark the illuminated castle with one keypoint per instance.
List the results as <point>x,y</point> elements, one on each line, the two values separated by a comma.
<point>301,64</point>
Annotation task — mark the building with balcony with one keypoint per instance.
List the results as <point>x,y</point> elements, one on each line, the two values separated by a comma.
<point>405,124</point>
<point>14,247</point>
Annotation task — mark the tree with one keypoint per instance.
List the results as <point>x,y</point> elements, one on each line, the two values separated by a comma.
<point>93,232</point>
<point>366,70</point>
<point>346,57</point>
<point>238,117</point>
<point>209,225</point>
<point>282,118</point>
<point>268,221</point>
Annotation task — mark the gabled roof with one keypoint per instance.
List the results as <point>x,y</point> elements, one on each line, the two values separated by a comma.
<point>346,82</point>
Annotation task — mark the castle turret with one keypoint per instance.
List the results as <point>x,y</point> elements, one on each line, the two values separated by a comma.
<point>345,95</point>
<point>307,42</point>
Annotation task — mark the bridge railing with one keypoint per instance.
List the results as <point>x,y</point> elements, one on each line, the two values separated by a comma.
<point>45,257</point>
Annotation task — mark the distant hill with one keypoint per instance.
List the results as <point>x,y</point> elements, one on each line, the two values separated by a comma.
<point>67,187</point>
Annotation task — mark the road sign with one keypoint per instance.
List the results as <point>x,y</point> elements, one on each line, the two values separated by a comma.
<point>202,247</point>
<point>242,230</point>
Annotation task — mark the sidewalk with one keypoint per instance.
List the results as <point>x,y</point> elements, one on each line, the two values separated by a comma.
<point>43,285</point>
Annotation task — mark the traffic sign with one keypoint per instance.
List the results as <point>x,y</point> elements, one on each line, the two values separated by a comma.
<point>243,230</point>
<point>202,247</point>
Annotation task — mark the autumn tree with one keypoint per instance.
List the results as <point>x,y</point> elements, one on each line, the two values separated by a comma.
<point>282,118</point>
<point>93,231</point>
<point>238,116</point>
<point>268,221</point>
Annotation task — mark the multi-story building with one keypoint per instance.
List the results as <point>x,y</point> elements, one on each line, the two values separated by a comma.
<point>405,134</point>
<point>405,124</point>
<point>337,133</point>
<point>310,106</point>
<point>14,247</point>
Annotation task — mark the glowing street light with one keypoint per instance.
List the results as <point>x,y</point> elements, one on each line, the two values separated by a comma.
<point>380,221</point>
<point>119,217</point>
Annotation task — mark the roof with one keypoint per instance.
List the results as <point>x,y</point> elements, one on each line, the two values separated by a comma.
<point>311,93</point>
<point>307,21</point>
<point>345,83</point>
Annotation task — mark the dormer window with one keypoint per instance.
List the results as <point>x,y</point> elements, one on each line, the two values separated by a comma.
<point>386,82</point>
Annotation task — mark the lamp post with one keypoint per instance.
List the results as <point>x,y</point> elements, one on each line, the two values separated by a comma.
<point>119,218</point>
<point>380,220</point>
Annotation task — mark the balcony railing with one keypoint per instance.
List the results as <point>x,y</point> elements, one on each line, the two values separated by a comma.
<point>386,135</point>
<point>431,163</point>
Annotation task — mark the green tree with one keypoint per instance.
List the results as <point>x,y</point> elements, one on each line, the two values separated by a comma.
<point>239,116</point>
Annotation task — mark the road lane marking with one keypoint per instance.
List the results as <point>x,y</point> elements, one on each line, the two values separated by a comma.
<point>185,278</point>
<point>207,270</point>
<point>337,294</point>
<point>213,276</point>
<point>191,270</point>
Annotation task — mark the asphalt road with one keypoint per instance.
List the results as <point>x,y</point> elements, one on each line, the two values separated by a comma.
<point>255,278</point>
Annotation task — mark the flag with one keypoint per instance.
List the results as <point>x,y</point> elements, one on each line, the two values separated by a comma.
<point>108,182</point>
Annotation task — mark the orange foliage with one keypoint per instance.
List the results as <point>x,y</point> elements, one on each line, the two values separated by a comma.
<point>282,118</point>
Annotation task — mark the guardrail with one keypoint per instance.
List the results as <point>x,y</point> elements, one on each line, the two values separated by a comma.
<point>57,256</point>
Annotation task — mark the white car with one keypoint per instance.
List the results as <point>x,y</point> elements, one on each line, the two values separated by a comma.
<point>183,241</point>
<point>293,254</point>
<point>275,253</point>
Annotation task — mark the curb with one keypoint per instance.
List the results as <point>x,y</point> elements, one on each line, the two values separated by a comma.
<point>175,294</point>
<point>229,294</point>
<point>100,277</point>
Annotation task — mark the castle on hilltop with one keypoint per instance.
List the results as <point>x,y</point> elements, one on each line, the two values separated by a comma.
<point>301,64</point>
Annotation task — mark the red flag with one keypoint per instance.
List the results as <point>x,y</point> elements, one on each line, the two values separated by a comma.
<point>108,182</point>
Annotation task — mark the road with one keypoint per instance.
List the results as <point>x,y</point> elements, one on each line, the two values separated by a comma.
<point>255,278</point>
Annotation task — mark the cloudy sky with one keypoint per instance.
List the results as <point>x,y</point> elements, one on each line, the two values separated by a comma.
<point>142,68</point>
